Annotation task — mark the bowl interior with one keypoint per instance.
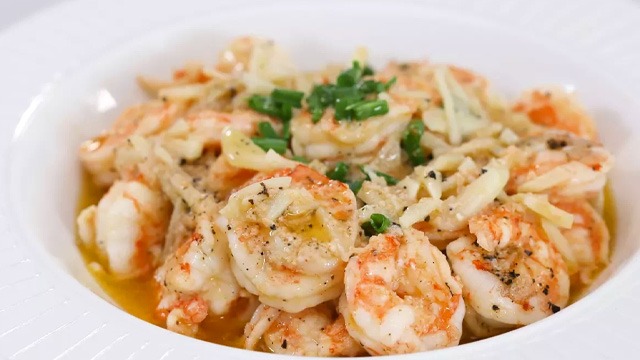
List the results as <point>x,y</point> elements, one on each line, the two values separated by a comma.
<point>45,173</point>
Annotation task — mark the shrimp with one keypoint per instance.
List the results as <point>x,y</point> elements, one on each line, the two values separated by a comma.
<point>588,238</point>
<point>416,87</point>
<point>127,227</point>
<point>557,109</point>
<point>98,154</point>
<point>400,296</point>
<point>316,331</point>
<point>511,274</point>
<point>207,125</point>
<point>357,141</point>
<point>558,163</point>
<point>222,178</point>
<point>291,233</point>
<point>196,279</point>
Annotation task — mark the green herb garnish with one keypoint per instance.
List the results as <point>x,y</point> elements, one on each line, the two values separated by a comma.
<point>278,145</point>
<point>266,130</point>
<point>377,224</point>
<point>352,97</point>
<point>390,180</point>
<point>355,185</point>
<point>279,104</point>
<point>286,96</point>
<point>300,159</point>
<point>339,172</point>
<point>411,142</point>
<point>369,109</point>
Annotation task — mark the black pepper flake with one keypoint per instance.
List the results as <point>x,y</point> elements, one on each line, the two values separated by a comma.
<point>229,227</point>
<point>427,218</point>
<point>272,227</point>
<point>556,144</point>
<point>251,201</point>
<point>483,170</point>
<point>495,308</point>
<point>183,161</point>
<point>264,190</point>
<point>554,308</point>
<point>528,252</point>
<point>432,174</point>
<point>546,290</point>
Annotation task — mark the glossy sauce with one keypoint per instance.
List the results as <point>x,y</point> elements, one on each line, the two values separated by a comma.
<point>138,297</point>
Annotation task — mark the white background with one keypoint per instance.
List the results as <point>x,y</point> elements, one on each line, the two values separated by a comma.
<point>14,10</point>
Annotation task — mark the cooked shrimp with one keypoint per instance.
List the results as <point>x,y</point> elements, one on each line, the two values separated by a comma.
<point>400,296</point>
<point>481,327</point>
<point>557,109</point>
<point>196,280</point>
<point>223,178</point>
<point>98,154</point>
<point>316,331</point>
<point>588,237</point>
<point>127,227</point>
<point>520,280</point>
<point>416,87</point>
<point>291,233</point>
<point>207,125</point>
<point>199,271</point>
<point>559,163</point>
<point>357,141</point>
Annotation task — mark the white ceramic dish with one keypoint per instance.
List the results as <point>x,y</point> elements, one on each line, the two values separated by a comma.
<point>68,71</point>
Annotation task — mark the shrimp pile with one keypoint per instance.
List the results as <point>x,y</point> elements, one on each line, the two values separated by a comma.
<point>347,211</point>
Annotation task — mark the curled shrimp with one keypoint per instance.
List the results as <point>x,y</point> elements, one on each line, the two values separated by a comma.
<point>316,331</point>
<point>127,227</point>
<point>511,274</point>
<point>357,141</point>
<point>557,109</point>
<point>98,154</point>
<point>195,279</point>
<point>290,234</point>
<point>400,296</point>
<point>588,237</point>
<point>558,163</point>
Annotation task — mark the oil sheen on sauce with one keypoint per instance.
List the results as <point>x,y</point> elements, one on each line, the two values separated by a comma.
<point>138,297</point>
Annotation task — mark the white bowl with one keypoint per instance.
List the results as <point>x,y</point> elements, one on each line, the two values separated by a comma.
<point>67,72</point>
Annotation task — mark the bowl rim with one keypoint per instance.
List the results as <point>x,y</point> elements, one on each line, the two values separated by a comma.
<point>16,117</point>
